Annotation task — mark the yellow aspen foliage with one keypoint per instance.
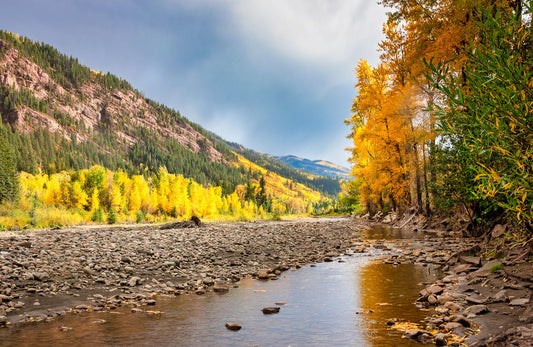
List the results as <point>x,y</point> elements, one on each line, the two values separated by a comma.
<point>278,207</point>
<point>198,199</point>
<point>183,205</point>
<point>78,197</point>
<point>381,138</point>
<point>99,191</point>
<point>153,205</point>
<point>53,191</point>
<point>234,203</point>
<point>94,201</point>
<point>115,197</point>
<point>214,202</point>
<point>163,190</point>
<point>225,206</point>
<point>134,198</point>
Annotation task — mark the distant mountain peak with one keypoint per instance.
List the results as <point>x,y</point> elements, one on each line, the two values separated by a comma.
<point>318,167</point>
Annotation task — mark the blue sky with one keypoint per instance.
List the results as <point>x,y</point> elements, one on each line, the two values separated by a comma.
<point>273,75</point>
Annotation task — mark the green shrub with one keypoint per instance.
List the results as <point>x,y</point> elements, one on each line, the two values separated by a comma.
<point>140,216</point>
<point>496,267</point>
<point>111,216</point>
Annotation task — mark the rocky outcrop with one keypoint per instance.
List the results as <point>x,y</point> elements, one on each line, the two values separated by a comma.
<point>127,109</point>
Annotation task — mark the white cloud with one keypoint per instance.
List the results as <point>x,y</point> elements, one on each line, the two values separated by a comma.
<point>322,32</point>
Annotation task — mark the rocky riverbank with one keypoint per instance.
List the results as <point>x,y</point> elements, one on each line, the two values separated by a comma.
<point>45,273</point>
<point>483,298</point>
<point>480,300</point>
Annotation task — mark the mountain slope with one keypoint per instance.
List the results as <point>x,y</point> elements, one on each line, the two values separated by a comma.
<point>318,167</point>
<point>66,116</point>
<point>327,185</point>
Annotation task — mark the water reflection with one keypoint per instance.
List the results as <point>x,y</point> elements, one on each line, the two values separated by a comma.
<point>390,292</point>
<point>321,309</point>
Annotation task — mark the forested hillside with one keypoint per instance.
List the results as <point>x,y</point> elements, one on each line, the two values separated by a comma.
<point>323,183</point>
<point>444,122</point>
<point>60,118</point>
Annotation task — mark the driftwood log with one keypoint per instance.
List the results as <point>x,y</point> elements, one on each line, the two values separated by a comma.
<point>194,222</point>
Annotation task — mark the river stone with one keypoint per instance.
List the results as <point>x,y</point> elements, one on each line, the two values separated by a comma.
<point>453,306</point>
<point>449,279</point>
<point>270,310</point>
<point>280,303</point>
<point>440,339</point>
<point>462,320</point>
<point>450,326</point>
<point>461,268</point>
<point>527,315</point>
<point>444,298</point>
<point>487,266</point>
<point>262,274</point>
<point>432,299</point>
<point>475,310</point>
<point>475,300</point>
<point>64,328</point>
<point>134,281</point>
<point>476,261</point>
<point>501,296</point>
<point>208,281</point>
<point>413,334</point>
<point>41,276</point>
<point>233,326</point>
<point>3,320</point>
<point>434,289</point>
<point>220,287</point>
<point>519,302</point>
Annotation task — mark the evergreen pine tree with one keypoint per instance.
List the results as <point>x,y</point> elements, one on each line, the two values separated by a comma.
<point>8,173</point>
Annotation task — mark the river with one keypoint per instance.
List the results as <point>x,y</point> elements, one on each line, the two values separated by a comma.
<point>327,304</point>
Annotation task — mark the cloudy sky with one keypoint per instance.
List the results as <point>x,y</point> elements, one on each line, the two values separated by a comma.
<point>273,75</point>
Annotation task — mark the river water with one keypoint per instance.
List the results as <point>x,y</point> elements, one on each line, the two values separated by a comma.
<point>324,307</point>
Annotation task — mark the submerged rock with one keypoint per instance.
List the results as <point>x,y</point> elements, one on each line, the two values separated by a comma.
<point>233,326</point>
<point>270,310</point>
